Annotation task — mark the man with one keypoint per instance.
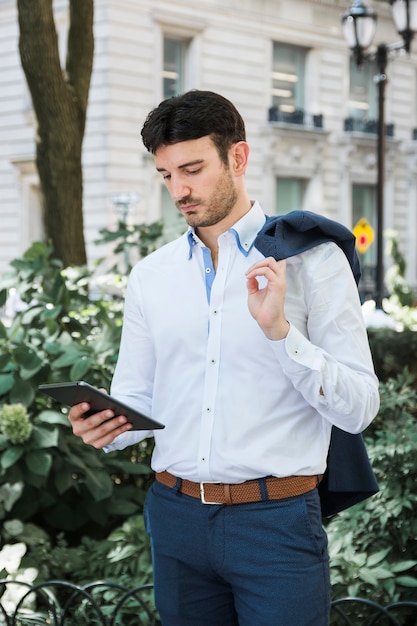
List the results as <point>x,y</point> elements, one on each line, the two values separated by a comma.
<point>248,361</point>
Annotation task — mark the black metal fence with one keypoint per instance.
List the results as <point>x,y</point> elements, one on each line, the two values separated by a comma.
<point>59,603</point>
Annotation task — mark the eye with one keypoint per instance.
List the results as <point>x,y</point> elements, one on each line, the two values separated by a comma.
<point>194,171</point>
<point>166,176</point>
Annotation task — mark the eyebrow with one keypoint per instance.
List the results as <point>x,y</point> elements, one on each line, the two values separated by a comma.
<point>184,166</point>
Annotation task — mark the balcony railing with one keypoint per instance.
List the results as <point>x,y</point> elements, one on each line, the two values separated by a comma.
<point>299,117</point>
<point>366,126</point>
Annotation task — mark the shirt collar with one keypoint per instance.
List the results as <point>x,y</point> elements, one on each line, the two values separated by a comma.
<point>245,230</point>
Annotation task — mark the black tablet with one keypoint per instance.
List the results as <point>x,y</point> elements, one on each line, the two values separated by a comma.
<point>76,392</point>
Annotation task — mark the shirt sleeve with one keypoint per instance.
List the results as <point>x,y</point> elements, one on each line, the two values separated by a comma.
<point>329,359</point>
<point>133,376</point>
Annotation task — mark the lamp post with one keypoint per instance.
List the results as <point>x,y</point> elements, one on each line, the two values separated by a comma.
<point>122,203</point>
<point>359,25</point>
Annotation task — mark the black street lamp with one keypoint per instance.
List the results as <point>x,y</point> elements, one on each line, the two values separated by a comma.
<point>359,25</point>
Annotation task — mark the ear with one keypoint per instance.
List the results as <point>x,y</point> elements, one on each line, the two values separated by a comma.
<point>239,155</point>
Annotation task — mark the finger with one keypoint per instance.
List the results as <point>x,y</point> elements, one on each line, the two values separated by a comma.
<point>267,266</point>
<point>272,275</point>
<point>77,411</point>
<point>105,433</point>
<point>269,260</point>
<point>101,428</point>
<point>82,422</point>
<point>252,285</point>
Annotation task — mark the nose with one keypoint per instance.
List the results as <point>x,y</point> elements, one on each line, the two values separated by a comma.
<point>178,188</point>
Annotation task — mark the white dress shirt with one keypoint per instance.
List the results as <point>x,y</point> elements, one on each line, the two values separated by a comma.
<point>237,405</point>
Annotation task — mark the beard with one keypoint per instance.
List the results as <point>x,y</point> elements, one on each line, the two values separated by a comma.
<point>216,208</point>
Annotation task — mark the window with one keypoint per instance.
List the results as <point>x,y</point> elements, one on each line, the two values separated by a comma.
<point>288,82</point>
<point>362,91</point>
<point>173,66</point>
<point>362,96</point>
<point>289,195</point>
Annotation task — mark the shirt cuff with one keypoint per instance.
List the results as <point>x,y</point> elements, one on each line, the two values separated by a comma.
<point>296,352</point>
<point>127,439</point>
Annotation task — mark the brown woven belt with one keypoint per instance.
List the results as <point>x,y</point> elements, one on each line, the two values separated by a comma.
<point>270,488</point>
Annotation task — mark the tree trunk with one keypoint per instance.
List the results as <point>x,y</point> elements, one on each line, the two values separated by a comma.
<point>60,102</point>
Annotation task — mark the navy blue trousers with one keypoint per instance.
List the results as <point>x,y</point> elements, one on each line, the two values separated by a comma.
<point>261,564</point>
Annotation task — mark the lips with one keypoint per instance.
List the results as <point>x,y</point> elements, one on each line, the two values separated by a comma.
<point>187,208</point>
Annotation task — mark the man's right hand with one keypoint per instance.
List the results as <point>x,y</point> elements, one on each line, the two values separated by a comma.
<point>97,430</point>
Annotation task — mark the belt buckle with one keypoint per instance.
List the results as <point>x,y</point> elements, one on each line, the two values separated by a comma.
<point>202,494</point>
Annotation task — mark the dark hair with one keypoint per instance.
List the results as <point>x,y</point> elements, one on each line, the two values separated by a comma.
<point>192,115</point>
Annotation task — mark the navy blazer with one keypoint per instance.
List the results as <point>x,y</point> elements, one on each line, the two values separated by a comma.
<point>349,477</point>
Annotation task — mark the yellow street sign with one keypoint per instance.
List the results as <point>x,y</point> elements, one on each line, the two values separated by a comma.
<point>364,234</point>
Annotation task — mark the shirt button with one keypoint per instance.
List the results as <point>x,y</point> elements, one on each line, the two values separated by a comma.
<point>208,270</point>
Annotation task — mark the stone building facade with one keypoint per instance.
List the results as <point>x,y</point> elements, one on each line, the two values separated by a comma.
<point>310,113</point>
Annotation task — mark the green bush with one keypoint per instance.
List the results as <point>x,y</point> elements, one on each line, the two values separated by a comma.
<point>123,560</point>
<point>124,556</point>
<point>392,351</point>
<point>63,333</point>
<point>373,545</point>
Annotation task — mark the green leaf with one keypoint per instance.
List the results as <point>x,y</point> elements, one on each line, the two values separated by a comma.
<point>406,581</point>
<point>5,361</point>
<point>128,467</point>
<point>368,576</point>
<point>11,456</point>
<point>39,462</point>
<point>3,299</point>
<point>382,573</point>
<point>99,484</point>
<point>27,358</point>
<point>26,374</point>
<point>45,437</point>
<point>22,392</point>
<point>17,332</point>
<point>80,368</point>
<point>6,383</point>
<point>402,566</point>
<point>124,507</point>
<point>377,557</point>
<point>75,459</point>
<point>37,250</point>
<point>29,315</point>
<point>10,494</point>
<point>121,552</point>
<point>69,357</point>
<point>52,347</point>
<point>353,589</point>
<point>53,417</point>
<point>51,313</point>
<point>63,481</point>
<point>389,586</point>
